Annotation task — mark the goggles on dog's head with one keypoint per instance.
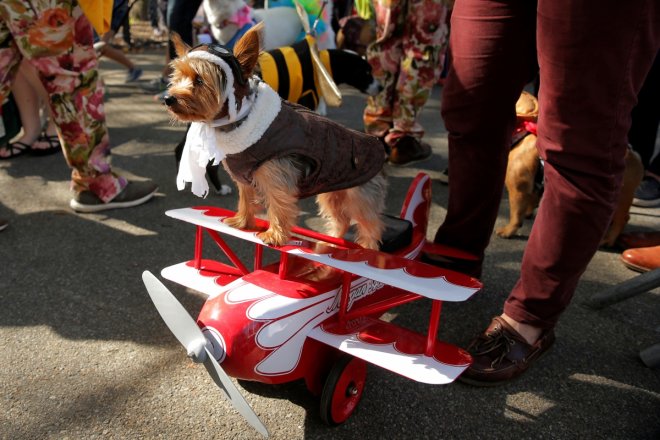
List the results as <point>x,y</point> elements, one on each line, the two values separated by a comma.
<point>225,54</point>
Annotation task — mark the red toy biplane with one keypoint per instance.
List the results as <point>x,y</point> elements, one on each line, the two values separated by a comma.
<point>314,314</point>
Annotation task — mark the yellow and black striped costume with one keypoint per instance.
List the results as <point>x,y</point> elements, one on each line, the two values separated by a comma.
<point>290,71</point>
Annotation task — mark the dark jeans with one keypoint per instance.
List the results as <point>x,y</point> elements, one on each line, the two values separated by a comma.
<point>158,13</point>
<point>180,14</point>
<point>593,57</point>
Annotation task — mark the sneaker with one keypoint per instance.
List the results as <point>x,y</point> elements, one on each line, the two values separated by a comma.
<point>133,75</point>
<point>3,224</point>
<point>156,85</point>
<point>158,33</point>
<point>647,193</point>
<point>99,47</point>
<point>444,176</point>
<point>135,193</point>
<point>408,150</point>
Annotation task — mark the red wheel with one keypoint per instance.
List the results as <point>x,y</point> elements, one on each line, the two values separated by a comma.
<point>343,389</point>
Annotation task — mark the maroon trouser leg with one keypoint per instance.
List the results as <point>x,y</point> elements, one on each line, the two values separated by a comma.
<point>593,57</point>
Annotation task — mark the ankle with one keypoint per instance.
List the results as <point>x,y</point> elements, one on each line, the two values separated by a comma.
<point>530,333</point>
<point>51,129</point>
<point>28,138</point>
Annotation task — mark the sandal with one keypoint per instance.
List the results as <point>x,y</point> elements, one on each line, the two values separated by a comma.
<point>53,142</point>
<point>15,149</point>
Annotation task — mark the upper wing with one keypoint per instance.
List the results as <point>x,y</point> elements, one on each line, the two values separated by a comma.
<point>413,276</point>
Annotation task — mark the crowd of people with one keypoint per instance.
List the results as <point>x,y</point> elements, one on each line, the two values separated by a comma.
<point>57,40</point>
<point>598,74</point>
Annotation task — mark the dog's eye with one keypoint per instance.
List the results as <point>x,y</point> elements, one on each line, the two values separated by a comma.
<point>199,81</point>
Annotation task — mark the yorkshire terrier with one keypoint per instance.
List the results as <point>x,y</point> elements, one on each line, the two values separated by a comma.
<point>275,151</point>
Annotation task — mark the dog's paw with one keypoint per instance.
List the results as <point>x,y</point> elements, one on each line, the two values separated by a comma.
<point>506,232</point>
<point>368,243</point>
<point>273,238</point>
<point>239,222</point>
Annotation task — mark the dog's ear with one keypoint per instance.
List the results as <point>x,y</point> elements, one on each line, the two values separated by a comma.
<point>180,46</point>
<point>247,49</point>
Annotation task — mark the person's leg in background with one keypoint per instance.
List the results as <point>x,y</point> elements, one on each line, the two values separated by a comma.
<point>106,49</point>
<point>60,48</point>
<point>384,55</point>
<point>589,86</point>
<point>641,249</point>
<point>27,100</point>
<point>50,132</point>
<point>406,59</point>
<point>162,15</point>
<point>157,13</point>
<point>424,45</point>
<point>125,22</point>
<point>31,99</point>
<point>180,14</point>
<point>153,14</point>
<point>104,45</point>
<point>585,104</point>
<point>493,56</point>
<point>643,134</point>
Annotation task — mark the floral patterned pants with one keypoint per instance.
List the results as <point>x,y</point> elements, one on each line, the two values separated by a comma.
<point>56,38</point>
<point>407,58</point>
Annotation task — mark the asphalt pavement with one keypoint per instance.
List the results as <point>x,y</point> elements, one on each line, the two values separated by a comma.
<point>85,354</point>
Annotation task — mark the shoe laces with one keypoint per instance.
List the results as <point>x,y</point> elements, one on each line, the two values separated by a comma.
<point>493,342</point>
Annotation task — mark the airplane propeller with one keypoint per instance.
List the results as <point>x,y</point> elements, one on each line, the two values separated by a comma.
<point>190,336</point>
<point>329,89</point>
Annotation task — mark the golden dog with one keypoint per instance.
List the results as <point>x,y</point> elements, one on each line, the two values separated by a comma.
<point>523,184</point>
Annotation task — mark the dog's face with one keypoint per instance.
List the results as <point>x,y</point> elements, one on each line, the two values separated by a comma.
<point>350,68</point>
<point>355,34</point>
<point>206,79</point>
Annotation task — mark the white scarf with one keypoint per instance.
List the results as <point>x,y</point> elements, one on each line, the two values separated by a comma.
<point>205,143</point>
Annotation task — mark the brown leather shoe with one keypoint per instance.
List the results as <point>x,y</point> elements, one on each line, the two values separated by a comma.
<point>408,150</point>
<point>642,259</point>
<point>629,240</point>
<point>501,354</point>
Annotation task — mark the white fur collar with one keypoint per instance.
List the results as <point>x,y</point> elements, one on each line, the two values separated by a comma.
<point>205,142</point>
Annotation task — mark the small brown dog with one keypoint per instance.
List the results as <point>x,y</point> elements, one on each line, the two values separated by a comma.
<point>355,34</point>
<point>276,152</point>
<point>524,176</point>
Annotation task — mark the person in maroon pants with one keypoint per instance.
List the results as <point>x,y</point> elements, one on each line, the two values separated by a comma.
<point>592,58</point>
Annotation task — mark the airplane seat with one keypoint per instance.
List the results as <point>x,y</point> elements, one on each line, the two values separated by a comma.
<point>398,233</point>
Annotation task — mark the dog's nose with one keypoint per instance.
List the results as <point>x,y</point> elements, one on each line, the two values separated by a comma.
<point>169,100</point>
